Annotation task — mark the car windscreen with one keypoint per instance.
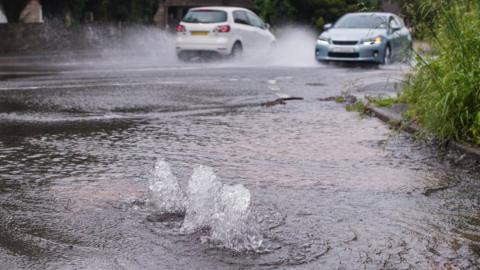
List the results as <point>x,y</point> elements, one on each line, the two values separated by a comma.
<point>366,21</point>
<point>205,16</point>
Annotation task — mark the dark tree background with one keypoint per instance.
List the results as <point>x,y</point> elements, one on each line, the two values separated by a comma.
<point>314,12</point>
<point>13,8</point>
<point>277,12</point>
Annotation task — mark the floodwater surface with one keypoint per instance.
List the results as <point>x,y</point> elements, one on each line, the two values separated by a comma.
<point>329,189</point>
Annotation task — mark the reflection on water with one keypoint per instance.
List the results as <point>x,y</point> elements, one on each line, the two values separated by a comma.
<point>328,189</point>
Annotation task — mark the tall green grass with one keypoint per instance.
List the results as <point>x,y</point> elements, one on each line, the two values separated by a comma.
<point>444,90</point>
<point>422,15</point>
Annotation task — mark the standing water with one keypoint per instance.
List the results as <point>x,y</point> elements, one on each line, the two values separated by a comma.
<point>305,185</point>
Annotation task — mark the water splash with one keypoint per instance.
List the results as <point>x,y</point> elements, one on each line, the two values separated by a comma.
<point>234,225</point>
<point>295,47</point>
<point>222,210</point>
<point>165,194</point>
<point>203,187</point>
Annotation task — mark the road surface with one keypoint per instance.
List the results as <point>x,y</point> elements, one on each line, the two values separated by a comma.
<point>332,189</point>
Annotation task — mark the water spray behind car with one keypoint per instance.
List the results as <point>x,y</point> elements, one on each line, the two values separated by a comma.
<point>293,47</point>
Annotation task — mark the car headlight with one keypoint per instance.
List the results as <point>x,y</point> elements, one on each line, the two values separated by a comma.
<point>372,41</point>
<point>324,40</point>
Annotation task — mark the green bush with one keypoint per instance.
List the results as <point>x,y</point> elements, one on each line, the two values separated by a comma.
<point>445,88</point>
<point>313,12</point>
<point>276,12</point>
<point>138,11</point>
<point>320,23</point>
<point>422,15</point>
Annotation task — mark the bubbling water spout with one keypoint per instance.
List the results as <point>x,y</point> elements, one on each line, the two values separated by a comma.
<point>233,223</point>
<point>165,194</point>
<point>223,210</point>
<point>203,187</point>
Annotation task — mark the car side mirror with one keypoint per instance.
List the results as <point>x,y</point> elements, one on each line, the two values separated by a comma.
<point>267,26</point>
<point>327,26</point>
<point>395,29</point>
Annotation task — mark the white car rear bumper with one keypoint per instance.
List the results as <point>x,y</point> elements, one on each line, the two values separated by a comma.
<point>220,45</point>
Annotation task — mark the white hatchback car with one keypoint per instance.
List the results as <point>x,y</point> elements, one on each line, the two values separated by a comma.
<point>223,31</point>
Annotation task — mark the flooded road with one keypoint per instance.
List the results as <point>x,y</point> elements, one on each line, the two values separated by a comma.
<point>329,189</point>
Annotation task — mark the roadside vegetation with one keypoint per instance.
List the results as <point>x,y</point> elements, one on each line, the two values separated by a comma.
<point>381,101</point>
<point>444,90</point>
<point>358,106</point>
<point>422,15</point>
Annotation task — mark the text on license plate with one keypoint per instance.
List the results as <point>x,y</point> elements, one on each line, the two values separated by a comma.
<point>344,49</point>
<point>199,33</point>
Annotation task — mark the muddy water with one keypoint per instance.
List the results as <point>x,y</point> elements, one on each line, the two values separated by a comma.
<point>330,189</point>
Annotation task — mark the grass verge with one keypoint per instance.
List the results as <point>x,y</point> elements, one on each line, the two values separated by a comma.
<point>444,90</point>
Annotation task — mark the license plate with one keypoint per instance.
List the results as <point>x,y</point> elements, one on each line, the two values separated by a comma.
<point>344,49</point>
<point>199,33</point>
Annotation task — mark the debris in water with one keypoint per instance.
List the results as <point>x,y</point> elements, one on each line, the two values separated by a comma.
<point>332,98</point>
<point>280,101</point>
<point>315,84</point>
<point>348,99</point>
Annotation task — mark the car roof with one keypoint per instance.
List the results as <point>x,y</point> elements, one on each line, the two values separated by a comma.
<point>380,14</point>
<point>219,8</point>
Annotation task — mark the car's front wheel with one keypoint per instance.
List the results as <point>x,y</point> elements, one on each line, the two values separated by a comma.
<point>409,54</point>
<point>387,56</point>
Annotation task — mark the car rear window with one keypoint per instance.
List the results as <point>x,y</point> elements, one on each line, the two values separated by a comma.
<point>367,21</point>
<point>205,16</point>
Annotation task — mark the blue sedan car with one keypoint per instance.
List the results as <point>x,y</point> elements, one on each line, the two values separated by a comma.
<point>366,37</point>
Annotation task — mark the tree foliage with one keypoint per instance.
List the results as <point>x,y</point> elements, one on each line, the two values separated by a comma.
<point>139,11</point>
<point>13,8</point>
<point>277,12</point>
<point>423,15</point>
<point>314,12</point>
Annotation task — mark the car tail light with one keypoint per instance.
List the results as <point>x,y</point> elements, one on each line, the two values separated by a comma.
<point>181,29</point>
<point>222,29</point>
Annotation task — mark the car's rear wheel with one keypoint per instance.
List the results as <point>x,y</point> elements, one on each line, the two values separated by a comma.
<point>182,56</point>
<point>273,45</point>
<point>409,55</point>
<point>237,50</point>
<point>387,56</point>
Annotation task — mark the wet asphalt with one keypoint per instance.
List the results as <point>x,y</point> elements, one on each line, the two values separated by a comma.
<point>332,189</point>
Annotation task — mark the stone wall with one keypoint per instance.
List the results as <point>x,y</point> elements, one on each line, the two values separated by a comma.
<point>19,38</point>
